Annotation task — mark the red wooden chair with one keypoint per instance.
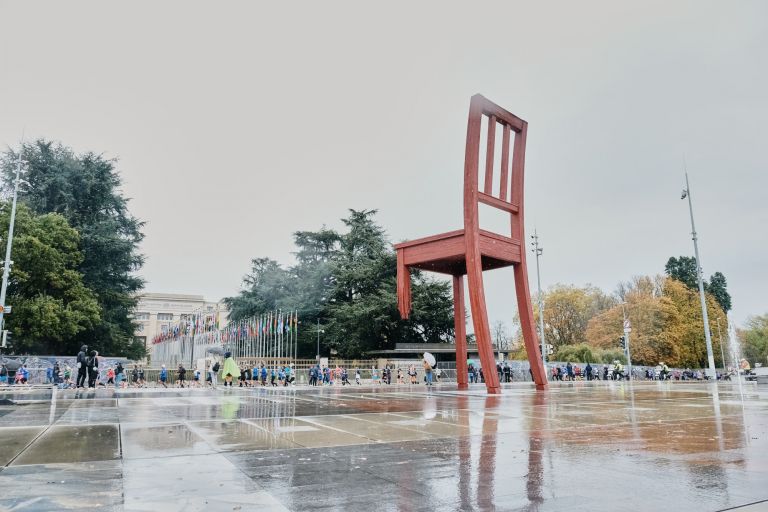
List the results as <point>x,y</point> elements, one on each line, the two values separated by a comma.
<point>471,250</point>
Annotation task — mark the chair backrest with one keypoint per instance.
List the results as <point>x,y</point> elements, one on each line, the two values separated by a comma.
<point>508,196</point>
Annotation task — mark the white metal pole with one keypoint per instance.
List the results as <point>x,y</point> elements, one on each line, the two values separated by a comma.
<point>720,336</point>
<point>539,250</point>
<point>9,242</point>
<point>627,330</point>
<point>710,357</point>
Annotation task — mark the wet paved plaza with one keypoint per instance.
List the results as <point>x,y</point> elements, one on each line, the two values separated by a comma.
<point>577,446</point>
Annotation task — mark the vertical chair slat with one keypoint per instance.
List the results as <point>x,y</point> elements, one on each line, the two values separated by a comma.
<point>504,164</point>
<point>489,155</point>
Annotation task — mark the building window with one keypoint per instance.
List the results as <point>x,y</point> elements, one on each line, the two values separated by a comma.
<point>140,328</point>
<point>142,316</point>
<point>184,318</point>
<point>164,316</point>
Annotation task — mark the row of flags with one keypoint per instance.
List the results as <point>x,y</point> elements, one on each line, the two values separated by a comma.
<point>274,323</point>
<point>192,325</point>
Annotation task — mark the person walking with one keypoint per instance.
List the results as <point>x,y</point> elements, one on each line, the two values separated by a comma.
<point>164,376</point>
<point>57,374</point>
<point>215,374</point>
<point>119,375</point>
<point>231,370</point>
<point>272,377</point>
<point>357,376</point>
<point>588,371</point>
<point>82,358</point>
<point>3,374</point>
<point>427,372</point>
<point>111,376</point>
<point>92,363</point>
<point>254,375</point>
<point>181,375</point>
<point>22,375</point>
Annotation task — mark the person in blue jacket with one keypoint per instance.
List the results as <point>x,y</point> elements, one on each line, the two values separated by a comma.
<point>164,376</point>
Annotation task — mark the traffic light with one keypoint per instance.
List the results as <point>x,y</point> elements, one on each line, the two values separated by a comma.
<point>623,342</point>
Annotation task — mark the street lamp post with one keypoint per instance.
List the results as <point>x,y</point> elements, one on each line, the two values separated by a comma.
<point>627,330</point>
<point>9,242</point>
<point>720,335</point>
<point>538,251</point>
<point>318,339</point>
<point>712,374</point>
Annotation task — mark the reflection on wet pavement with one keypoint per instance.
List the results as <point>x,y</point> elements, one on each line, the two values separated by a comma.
<point>580,446</point>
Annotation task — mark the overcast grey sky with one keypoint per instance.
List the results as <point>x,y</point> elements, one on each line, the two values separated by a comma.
<point>237,123</point>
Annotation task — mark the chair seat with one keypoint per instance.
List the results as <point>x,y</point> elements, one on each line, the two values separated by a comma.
<point>446,253</point>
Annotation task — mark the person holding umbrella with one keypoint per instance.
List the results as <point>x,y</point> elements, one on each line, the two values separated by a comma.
<point>213,370</point>
<point>429,362</point>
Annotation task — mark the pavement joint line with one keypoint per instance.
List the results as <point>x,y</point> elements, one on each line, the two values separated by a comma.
<point>337,430</point>
<point>38,436</point>
<point>405,427</point>
<point>365,469</point>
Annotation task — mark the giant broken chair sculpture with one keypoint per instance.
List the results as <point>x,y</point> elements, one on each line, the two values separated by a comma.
<point>472,250</point>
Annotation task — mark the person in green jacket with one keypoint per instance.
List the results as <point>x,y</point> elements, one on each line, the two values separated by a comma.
<point>230,371</point>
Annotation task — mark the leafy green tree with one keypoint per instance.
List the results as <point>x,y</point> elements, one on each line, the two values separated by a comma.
<point>666,323</point>
<point>684,270</point>
<point>581,353</point>
<point>754,340</point>
<point>567,311</point>
<point>85,190</point>
<point>51,304</point>
<point>346,282</point>
<point>263,288</point>
<point>362,308</point>
<point>717,287</point>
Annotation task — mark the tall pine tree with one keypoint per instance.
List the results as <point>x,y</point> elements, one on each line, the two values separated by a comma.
<point>346,283</point>
<point>85,190</point>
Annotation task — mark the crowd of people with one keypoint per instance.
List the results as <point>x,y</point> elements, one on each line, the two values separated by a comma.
<point>88,373</point>
<point>324,376</point>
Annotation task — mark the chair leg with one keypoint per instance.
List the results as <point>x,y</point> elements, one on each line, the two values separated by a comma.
<point>527,325</point>
<point>480,321</point>
<point>460,328</point>
<point>403,287</point>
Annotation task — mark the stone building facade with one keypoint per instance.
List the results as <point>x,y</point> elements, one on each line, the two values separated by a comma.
<point>156,313</point>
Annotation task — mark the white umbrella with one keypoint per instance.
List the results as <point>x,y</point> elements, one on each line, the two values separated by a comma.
<point>429,358</point>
